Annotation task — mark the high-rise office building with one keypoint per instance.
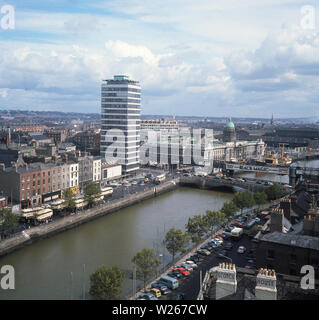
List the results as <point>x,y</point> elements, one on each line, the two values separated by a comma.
<point>120,117</point>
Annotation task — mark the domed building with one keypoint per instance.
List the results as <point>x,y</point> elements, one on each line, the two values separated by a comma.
<point>229,132</point>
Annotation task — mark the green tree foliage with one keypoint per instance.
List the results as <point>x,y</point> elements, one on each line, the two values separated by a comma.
<point>106,283</point>
<point>229,208</point>
<point>260,198</point>
<point>274,191</point>
<point>8,220</point>
<point>91,191</point>
<point>175,241</point>
<point>197,226</point>
<point>215,218</point>
<point>69,199</point>
<point>146,263</point>
<point>244,199</point>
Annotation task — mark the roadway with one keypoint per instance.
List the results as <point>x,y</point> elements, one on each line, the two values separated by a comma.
<point>190,285</point>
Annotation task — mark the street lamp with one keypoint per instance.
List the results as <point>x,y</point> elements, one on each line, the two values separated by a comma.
<point>161,256</point>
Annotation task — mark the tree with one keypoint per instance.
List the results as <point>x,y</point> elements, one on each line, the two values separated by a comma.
<point>229,208</point>
<point>175,241</point>
<point>260,198</point>
<point>274,191</point>
<point>215,218</point>
<point>146,263</point>
<point>244,199</point>
<point>197,226</point>
<point>69,199</point>
<point>8,220</point>
<point>106,283</point>
<point>91,191</point>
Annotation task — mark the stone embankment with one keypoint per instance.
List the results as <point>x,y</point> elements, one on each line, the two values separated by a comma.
<point>33,234</point>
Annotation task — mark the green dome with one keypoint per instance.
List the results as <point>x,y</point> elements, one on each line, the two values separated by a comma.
<point>230,124</point>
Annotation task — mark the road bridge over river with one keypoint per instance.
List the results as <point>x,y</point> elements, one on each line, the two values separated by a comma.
<point>214,182</point>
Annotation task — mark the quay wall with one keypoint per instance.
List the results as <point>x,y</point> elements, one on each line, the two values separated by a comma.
<point>33,234</point>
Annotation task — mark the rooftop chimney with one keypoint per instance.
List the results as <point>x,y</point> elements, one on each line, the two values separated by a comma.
<point>285,204</point>
<point>266,285</point>
<point>226,283</point>
<point>277,220</point>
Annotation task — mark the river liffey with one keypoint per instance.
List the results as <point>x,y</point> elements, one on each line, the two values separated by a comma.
<point>59,267</point>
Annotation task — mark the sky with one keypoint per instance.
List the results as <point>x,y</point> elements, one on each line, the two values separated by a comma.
<point>209,58</point>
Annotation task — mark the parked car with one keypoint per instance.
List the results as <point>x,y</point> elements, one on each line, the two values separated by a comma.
<point>156,292</point>
<point>229,228</point>
<point>147,296</point>
<point>241,249</point>
<point>191,263</point>
<point>257,220</point>
<point>186,266</point>
<point>203,252</point>
<point>175,274</point>
<point>183,271</point>
<point>160,286</point>
<point>194,258</point>
<point>178,296</point>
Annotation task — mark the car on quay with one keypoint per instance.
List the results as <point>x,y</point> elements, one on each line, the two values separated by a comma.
<point>195,258</point>
<point>207,247</point>
<point>186,266</point>
<point>160,286</point>
<point>147,296</point>
<point>156,292</point>
<point>203,252</point>
<point>229,228</point>
<point>237,224</point>
<point>191,263</point>
<point>241,249</point>
<point>175,274</point>
<point>227,235</point>
<point>181,270</point>
<point>170,282</point>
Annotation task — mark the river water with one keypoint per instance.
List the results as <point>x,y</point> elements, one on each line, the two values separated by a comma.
<point>43,269</point>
